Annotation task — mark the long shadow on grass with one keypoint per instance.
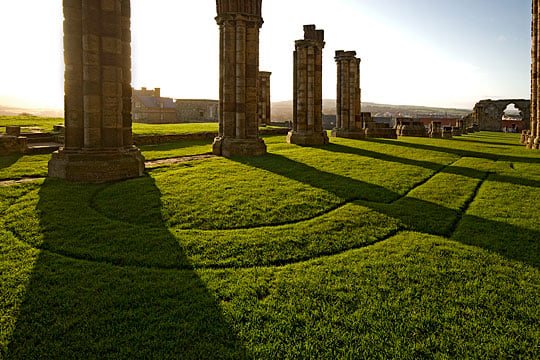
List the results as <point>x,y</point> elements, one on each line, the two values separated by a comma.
<point>342,186</point>
<point>74,308</point>
<point>8,160</point>
<point>510,241</point>
<point>483,142</point>
<point>460,152</point>
<point>454,169</point>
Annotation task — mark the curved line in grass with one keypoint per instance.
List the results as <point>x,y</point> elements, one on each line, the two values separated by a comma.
<point>270,264</point>
<point>92,205</point>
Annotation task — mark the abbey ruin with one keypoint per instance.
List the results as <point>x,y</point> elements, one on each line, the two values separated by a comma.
<point>98,115</point>
<point>488,113</point>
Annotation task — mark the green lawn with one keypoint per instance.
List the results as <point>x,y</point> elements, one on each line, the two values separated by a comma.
<point>41,123</point>
<point>411,248</point>
<point>46,124</point>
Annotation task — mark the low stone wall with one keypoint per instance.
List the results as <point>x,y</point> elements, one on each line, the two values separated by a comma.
<point>281,131</point>
<point>12,145</point>
<point>140,140</point>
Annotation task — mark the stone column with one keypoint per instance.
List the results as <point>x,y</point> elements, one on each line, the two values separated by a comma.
<point>348,103</point>
<point>307,96</point>
<point>239,23</point>
<point>97,53</point>
<point>265,105</point>
<point>535,64</point>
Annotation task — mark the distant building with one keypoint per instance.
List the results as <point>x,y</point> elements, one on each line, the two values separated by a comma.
<point>512,123</point>
<point>149,107</point>
<point>193,111</point>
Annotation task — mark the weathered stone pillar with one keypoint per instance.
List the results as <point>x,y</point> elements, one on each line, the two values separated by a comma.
<point>307,101</point>
<point>535,67</point>
<point>265,105</point>
<point>435,130</point>
<point>239,23</point>
<point>97,52</point>
<point>348,103</point>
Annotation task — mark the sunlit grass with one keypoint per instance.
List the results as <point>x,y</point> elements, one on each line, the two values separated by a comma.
<point>413,248</point>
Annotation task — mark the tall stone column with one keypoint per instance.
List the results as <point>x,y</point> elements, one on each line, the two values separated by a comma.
<point>348,103</point>
<point>535,81</point>
<point>307,102</point>
<point>239,23</point>
<point>97,54</point>
<point>265,105</point>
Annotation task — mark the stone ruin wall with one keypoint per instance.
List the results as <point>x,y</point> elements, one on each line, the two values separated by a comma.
<point>488,113</point>
<point>193,111</point>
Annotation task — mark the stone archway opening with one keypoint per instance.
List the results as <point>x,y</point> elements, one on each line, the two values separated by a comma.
<point>512,119</point>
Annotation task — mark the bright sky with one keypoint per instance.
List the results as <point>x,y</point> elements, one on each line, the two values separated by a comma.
<point>448,53</point>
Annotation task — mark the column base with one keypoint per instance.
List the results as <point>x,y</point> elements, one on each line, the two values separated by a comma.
<point>381,133</point>
<point>530,143</point>
<point>308,138</point>
<point>524,136</point>
<point>357,134</point>
<point>96,166</point>
<point>230,147</point>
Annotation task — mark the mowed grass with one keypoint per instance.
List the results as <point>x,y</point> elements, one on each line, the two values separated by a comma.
<point>29,122</point>
<point>46,124</point>
<point>414,248</point>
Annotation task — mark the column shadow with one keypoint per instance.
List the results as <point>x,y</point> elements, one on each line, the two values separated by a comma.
<point>341,186</point>
<point>510,241</point>
<point>8,160</point>
<point>459,152</point>
<point>454,169</point>
<point>87,299</point>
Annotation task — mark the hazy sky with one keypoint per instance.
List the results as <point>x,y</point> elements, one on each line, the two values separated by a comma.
<point>419,52</point>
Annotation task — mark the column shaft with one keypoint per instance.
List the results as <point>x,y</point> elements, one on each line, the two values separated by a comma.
<point>97,51</point>
<point>307,90</point>
<point>348,104</point>
<point>239,23</point>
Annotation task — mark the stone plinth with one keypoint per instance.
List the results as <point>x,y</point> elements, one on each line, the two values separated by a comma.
<point>264,102</point>
<point>447,132</point>
<point>409,127</point>
<point>376,130</point>
<point>105,165</point>
<point>307,126</point>
<point>349,121</point>
<point>239,24</point>
<point>380,131</point>
<point>97,54</point>
<point>12,144</point>
<point>13,130</point>
<point>435,130</point>
<point>524,136</point>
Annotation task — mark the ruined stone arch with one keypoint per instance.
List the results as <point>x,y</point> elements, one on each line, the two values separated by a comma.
<point>488,113</point>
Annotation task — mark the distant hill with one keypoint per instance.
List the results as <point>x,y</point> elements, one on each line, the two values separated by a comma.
<point>282,111</point>
<point>11,111</point>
